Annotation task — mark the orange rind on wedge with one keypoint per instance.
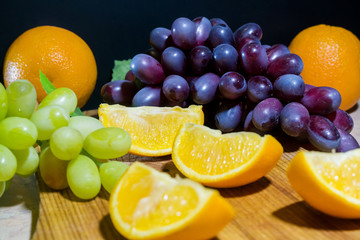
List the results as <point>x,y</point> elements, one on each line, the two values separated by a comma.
<point>152,129</point>
<point>148,204</point>
<point>329,182</point>
<point>224,160</point>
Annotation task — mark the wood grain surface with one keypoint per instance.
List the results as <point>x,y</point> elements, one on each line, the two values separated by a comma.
<point>266,209</point>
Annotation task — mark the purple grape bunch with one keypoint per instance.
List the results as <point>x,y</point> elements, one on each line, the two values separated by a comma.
<point>243,85</point>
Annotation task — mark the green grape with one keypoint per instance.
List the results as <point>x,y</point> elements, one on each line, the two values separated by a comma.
<point>53,170</point>
<point>83,177</point>
<point>85,124</point>
<point>2,187</point>
<point>17,133</point>
<point>48,119</point>
<point>21,99</point>
<point>110,173</point>
<point>6,184</point>
<point>3,102</point>
<point>7,164</point>
<point>64,97</point>
<point>27,161</point>
<point>108,143</point>
<point>66,143</point>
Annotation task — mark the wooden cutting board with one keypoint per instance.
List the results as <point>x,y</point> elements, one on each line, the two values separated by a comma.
<point>266,209</point>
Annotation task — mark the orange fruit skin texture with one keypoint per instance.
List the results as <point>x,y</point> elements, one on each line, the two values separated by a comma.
<point>65,59</point>
<point>202,160</point>
<point>317,193</point>
<point>152,129</point>
<point>331,57</point>
<point>202,218</point>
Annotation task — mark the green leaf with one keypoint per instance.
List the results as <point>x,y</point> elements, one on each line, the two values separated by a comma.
<point>48,87</point>
<point>46,84</point>
<point>120,69</point>
<point>77,112</point>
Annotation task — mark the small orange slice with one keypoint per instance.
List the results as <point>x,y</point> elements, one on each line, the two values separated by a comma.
<point>152,129</point>
<point>148,204</point>
<point>224,160</point>
<point>329,182</point>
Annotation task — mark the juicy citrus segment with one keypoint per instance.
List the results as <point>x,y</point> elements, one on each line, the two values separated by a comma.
<point>331,57</point>
<point>152,129</point>
<point>147,204</point>
<point>330,182</point>
<point>224,160</point>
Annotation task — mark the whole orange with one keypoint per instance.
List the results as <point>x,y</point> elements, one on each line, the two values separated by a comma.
<point>331,57</point>
<point>60,54</point>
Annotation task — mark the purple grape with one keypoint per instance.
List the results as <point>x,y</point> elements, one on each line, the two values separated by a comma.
<point>285,64</point>
<point>148,96</point>
<point>294,119</point>
<point>130,76</point>
<point>242,42</point>
<point>347,142</point>
<point>259,88</point>
<point>308,87</point>
<point>154,53</point>
<point>118,92</point>
<point>276,51</point>
<point>289,87</point>
<point>147,69</point>
<point>203,89</point>
<point>228,116</point>
<point>203,28</point>
<point>342,120</point>
<point>225,58</point>
<point>169,103</point>
<point>200,59</point>
<point>248,121</point>
<point>322,133</point>
<point>218,21</point>
<point>232,85</point>
<point>173,61</point>
<point>246,30</point>
<point>266,114</point>
<point>253,59</point>
<point>266,46</point>
<point>220,34</point>
<point>183,33</point>
<point>321,100</point>
<point>160,38</point>
<point>175,88</point>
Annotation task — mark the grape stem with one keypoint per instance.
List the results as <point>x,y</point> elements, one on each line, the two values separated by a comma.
<point>84,152</point>
<point>77,112</point>
<point>43,144</point>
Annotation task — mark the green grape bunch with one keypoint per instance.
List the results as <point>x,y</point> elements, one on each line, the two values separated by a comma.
<point>57,139</point>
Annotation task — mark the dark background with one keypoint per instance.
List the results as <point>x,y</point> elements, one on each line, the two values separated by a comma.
<point>120,29</point>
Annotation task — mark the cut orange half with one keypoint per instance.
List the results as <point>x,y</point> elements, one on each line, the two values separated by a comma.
<point>224,160</point>
<point>329,182</point>
<point>152,129</point>
<point>148,204</point>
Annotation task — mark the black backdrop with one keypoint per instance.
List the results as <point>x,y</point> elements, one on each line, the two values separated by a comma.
<point>119,29</point>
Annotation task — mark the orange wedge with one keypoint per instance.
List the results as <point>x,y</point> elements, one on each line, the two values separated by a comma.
<point>329,182</point>
<point>148,204</point>
<point>224,160</point>
<point>152,129</point>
